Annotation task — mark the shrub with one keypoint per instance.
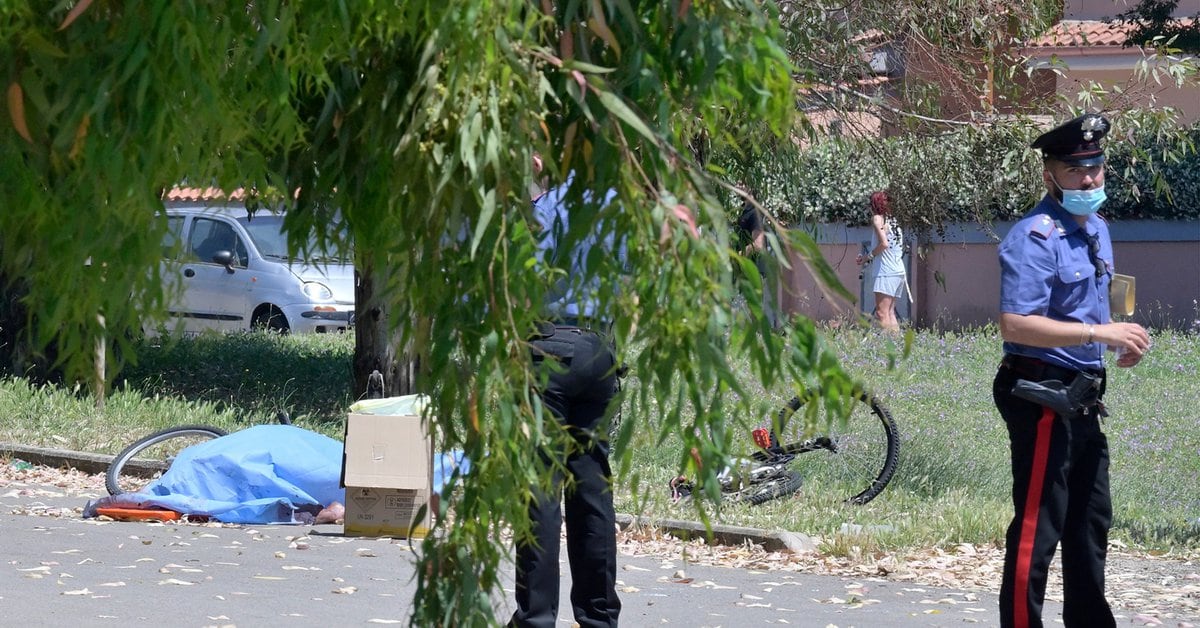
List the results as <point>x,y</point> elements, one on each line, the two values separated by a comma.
<point>975,174</point>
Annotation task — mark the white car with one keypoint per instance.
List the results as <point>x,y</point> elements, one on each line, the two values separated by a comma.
<point>225,270</point>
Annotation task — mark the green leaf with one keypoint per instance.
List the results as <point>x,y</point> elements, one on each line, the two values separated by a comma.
<point>617,107</point>
<point>487,210</point>
<point>588,68</point>
<point>39,44</point>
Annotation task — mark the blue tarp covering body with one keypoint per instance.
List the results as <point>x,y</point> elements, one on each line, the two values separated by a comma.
<point>263,474</point>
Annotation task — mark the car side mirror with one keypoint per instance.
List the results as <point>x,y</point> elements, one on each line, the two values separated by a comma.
<point>224,258</point>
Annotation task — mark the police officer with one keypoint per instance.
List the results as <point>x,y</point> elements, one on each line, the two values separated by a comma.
<point>1056,264</point>
<point>579,365</point>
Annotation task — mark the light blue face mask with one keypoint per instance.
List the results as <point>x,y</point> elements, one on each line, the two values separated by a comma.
<point>1082,202</point>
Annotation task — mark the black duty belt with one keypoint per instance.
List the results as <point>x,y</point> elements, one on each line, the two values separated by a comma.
<point>1040,370</point>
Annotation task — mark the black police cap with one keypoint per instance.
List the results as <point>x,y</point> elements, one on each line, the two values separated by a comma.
<point>1075,142</point>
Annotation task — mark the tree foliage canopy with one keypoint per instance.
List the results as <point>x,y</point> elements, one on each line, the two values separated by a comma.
<point>413,125</point>
<point>1153,24</point>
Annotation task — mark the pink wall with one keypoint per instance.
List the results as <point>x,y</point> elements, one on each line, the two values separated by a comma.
<point>971,292</point>
<point>1163,256</point>
<point>1168,280</point>
<point>800,293</point>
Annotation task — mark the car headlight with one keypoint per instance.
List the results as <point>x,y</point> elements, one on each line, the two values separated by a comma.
<point>317,291</point>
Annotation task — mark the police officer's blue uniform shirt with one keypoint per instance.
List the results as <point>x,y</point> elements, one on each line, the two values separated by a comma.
<point>575,297</point>
<point>1045,269</point>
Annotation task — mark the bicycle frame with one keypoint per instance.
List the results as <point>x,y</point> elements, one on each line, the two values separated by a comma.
<point>862,458</point>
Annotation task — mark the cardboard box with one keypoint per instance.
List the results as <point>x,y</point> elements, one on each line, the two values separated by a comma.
<point>387,469</point>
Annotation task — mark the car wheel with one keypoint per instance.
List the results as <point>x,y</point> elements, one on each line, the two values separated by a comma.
<point>271,319</point>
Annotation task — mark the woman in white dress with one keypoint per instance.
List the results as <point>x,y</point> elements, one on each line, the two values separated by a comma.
<point>886,259</point>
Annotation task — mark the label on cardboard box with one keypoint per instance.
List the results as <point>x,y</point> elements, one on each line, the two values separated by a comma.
<point>374,511</point>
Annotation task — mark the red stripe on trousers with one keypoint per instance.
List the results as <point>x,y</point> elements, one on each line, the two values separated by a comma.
<point>1033,501</point>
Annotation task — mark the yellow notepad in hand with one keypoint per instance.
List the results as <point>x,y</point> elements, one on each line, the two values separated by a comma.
<point>1121,296</point>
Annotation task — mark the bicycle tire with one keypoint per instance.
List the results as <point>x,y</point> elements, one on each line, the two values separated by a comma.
<point>121,478</point>
<point>856,453</point>
<point>756,493</point>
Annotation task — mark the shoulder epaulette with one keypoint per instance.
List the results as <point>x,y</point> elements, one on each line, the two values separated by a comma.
<point>1041,227</point>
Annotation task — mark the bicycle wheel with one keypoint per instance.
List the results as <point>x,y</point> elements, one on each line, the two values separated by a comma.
<point>149,457</point>
<point>856,459</point>
<point>782,485</point>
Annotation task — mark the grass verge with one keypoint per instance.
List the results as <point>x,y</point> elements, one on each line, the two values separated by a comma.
<point>951,487</point>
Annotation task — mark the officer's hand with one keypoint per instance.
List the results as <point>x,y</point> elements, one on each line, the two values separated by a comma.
<point>1126,359</point>
<point>1130,340</point>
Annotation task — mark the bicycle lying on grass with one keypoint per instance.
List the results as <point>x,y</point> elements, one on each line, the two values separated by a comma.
<point>856,459</point>
<point>150,456</point>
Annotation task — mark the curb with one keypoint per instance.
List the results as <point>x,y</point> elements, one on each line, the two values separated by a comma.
<point>772,541</point>
<point>82,461</point>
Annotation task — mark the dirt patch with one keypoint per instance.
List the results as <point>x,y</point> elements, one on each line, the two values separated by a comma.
<point>77,482</point>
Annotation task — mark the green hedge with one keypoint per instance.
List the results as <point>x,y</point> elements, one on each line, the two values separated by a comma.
<point>973,174</point>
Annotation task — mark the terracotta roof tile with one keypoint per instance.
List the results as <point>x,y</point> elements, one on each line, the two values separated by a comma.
<point>180,194</point>
<point>1087,34</point>
<point>1075,33</point>
<point>862,83</point>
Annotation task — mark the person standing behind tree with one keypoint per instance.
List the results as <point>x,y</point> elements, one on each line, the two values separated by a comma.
<point>886,261</point>
<point>574,352</point>
<point>1056,264</point>
<point>752,233</point>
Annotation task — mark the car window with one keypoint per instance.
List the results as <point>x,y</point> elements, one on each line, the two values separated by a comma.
<point>172,237</point>
<point>266,230</point>
<point>209,236</point>
<point>267,234</point>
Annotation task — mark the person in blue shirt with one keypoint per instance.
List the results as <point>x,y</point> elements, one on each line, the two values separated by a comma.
<point>578,390</point>
<point>1056,264</point>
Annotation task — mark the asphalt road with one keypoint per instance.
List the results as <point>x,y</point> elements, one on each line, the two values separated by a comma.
<point>60,570</point>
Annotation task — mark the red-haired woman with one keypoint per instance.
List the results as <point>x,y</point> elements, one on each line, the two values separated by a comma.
<point>886,259</point>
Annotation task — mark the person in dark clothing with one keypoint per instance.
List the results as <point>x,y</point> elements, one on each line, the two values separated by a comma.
<point>1056,265</point>
<point>577,359</point>
<point>753,243</point>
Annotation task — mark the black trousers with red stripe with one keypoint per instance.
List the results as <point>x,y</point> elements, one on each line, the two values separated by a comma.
<point>1060,494</point>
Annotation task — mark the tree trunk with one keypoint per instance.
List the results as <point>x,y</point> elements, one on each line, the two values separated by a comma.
<point>100,364</point>
<point>18,355</point>
<point>376,347</point>
<point>12,321</point>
